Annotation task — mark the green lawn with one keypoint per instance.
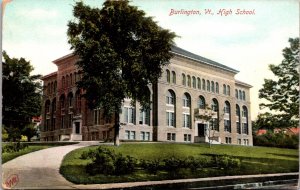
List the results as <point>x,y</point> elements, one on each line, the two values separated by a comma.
<point>254,160</point>
<point>31,148</point>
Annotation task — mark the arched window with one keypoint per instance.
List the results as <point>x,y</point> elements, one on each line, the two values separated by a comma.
<point>62,102</point>
<point>62,111</point>
<point>183,80</point>
<point>236,94</point>
<point>189,80</point>
<point>203,84</point>
<point>215,120</point>
<point>170,110</point>
<point>173,77</point>
<point>63,82</point>
<point>78,102</point>
<point>240,95</point>
<point>70,100</point>
<point>194,82</point>
<point>186,113</point>
<point>67,81</point>
<point>238,120</point>
<point>244,95</point>
<point>198,83</point>
<point>170,98</point>
<point>47,112</point>
<point>201,102</point>
<point>186,100</point>
<point>53,114</point>
<point>224,89</point>
<point>245,121</point>
<point>208,85</point>
<point>212,86</point>
<point>228,90</point>
<point>227,119</point>
<point>217,87</point>
<point>71,79</point>
<point>168,76</point>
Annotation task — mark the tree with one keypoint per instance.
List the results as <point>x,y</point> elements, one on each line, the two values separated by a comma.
<point>29,131</point>
<point>121,52</point>
<point>282,93</point>
<point>21,95</point>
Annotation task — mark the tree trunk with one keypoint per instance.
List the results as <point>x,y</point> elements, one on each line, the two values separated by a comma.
<point>117,128</point>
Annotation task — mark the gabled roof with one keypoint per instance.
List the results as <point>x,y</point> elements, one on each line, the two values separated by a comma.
<point>198,58</point>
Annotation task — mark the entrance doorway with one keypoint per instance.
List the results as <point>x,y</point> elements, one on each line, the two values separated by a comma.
<point>201,130</point>
<point>77,127</point>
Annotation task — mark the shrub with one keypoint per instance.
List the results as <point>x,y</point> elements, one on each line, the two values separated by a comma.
<point>225,162</point>
<point>173,164</point>
<point>13,147</point>
<point>194,163</point>
<point>88,154</point>
<point>152,166</point>
<point>107,162</point>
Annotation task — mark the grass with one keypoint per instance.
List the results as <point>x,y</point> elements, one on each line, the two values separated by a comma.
<point>255,160</point>
<point>32,147</point>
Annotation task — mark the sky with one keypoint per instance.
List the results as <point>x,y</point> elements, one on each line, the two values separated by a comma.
<point>36,31</point>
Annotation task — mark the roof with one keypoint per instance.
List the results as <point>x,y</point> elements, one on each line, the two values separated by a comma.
<point>49,75</point>
<point>198,58</point>
<point>243,83</point>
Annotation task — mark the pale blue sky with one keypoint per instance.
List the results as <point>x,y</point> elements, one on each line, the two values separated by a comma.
<point>36,30</point>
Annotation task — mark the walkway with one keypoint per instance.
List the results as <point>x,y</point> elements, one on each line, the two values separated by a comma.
<point>41,168</point>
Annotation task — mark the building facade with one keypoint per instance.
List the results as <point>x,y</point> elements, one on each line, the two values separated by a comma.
<point>195,100</point>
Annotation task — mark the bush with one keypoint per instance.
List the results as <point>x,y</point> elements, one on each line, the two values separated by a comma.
<point>225,162</point>
<point>173,164</point>
<point>279,140</point>
<point>13,147</point>
<point>152,166</point>
<point>107,162</point>
<point>195,163</point>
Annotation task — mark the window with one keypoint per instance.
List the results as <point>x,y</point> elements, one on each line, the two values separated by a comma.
<point>187,138</point>
<point>189,80</point>
<point>203,84</point>
<point>217,88</point>
<point>67,81</point>
<point>215,105</point>
<point>186,100</point>
<point>70,100</point>
<point>246,142</point>
<point>170,116</point>
<point>194,82</point>
<point>236,94</point>
<point>96,116</point>
<point>208,85</point>
<point>238,122</point>
<point>214,124</point>
<point>168,76</point>
<point>170,98</point>
<point>71,79</point>
<point>227,125</point>
<point>127,134</point>
<point>171,136</point>
<point>201,102</point>
<point>245,128</point>
<point>228,140</point>
<point>63,82</point>
<point>144,117</point>
<point>132,135</point>
<point>244,95</point>
<point>186,120</point>
<point>244,112</point>
<point>183,80</point>
<point>70,120</point>
<point>212,86</point>
<point>228,90</point>
<point>239,141</point>
<point>145,136</point>
<point>47,106</point>
<point>227,107</point>
<point>173,77</point>
<point>129,115</point>
<point>224,89</point>
<point>62,121</point>
<point>240,95</point>
<point>198,83</point>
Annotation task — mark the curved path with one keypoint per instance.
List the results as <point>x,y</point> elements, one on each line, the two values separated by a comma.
<point>40,168</point>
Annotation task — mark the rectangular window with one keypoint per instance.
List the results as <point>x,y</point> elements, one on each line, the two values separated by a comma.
<point>132,135</point>
<point>62,121</point>
<point>171,136</point>
<point>227,126</point>
<point>127,134</point>
<point>238,127</point>
<point>187,138</point>
<point>70,120</point>
<point>239,141</point>
<point>129,115</point>
<point>228,140</point>
<point>144,117</point>
<point>147,136</point>
<point>142,136</point>
<point>170,119</point>
<point>186,121</point>
<point>96,116</point>
<point>245,128</point>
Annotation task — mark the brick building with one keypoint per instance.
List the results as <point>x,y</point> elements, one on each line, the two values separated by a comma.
<point>189,84</point>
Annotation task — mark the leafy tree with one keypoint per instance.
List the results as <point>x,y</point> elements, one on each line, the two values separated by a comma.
<point>121,52</point>
<point>282,93</point>
<point>21,95</point>
<point>29,131</point>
